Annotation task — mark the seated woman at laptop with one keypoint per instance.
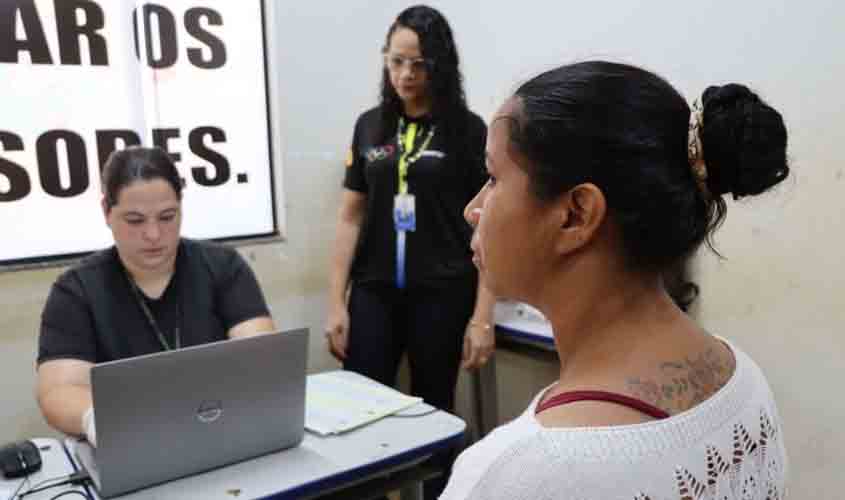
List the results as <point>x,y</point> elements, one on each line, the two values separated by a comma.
<point>152,291</point>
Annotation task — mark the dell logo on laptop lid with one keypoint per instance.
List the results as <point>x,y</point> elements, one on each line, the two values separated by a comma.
<point>209,411</point>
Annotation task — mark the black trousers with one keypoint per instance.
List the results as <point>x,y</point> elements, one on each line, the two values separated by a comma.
<point>428,325</point>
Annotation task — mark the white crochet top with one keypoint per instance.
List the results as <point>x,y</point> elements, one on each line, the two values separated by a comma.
<point>729,447</point>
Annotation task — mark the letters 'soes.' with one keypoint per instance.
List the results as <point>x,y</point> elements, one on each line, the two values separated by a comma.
<point>79,79</point>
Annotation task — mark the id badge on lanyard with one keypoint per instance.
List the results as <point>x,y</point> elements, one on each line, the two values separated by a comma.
<point>404,212</point>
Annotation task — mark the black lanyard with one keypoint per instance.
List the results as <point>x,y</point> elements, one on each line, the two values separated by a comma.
<point>177,341</point>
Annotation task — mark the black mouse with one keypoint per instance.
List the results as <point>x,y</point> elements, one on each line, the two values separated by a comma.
<point>19,459</point>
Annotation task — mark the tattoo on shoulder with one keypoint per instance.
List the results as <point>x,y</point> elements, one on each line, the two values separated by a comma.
<point>682,384</point>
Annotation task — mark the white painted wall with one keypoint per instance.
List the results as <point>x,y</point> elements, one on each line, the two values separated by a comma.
<point>777,294</point>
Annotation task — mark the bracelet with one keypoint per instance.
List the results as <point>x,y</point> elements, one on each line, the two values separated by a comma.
<point>482,324</point>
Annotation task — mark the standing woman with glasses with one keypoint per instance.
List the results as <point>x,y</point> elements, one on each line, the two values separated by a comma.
<point>402,278</point>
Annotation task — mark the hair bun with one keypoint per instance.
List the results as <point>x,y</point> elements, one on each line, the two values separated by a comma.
<point>744,141</point>
<point>726,96</point>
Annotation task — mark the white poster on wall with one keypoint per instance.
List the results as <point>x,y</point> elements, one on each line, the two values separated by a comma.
<point>80,78</point>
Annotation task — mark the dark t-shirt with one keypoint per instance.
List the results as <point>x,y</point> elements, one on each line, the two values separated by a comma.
<point>442,182</point>
<point>92,314</point>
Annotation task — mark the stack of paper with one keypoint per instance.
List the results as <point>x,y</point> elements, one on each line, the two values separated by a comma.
<point>336,402</point>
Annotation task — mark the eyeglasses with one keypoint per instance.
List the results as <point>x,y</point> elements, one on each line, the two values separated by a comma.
<point>395,62</point>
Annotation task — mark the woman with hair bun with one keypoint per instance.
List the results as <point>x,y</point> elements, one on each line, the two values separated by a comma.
<point>601,179</point>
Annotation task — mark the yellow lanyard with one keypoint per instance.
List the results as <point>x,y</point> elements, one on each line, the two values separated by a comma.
<point>405,140</point>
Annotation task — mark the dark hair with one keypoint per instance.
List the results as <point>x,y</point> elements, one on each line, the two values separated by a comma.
<point>137,163</point>
<point>444,79</point>
<point>625,130</point>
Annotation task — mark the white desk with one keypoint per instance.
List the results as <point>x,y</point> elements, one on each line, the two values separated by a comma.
<point>325,465</point>
<point>524,324</point>
<point>54,464</point>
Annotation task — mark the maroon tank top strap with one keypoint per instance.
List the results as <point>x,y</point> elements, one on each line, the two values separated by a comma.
<point>573,396</point>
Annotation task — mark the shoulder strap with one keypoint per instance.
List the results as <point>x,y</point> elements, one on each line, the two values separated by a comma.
<point>610,397</point>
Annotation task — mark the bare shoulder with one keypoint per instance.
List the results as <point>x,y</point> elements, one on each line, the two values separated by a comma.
<point>683,381</point>
<point>673,380</point>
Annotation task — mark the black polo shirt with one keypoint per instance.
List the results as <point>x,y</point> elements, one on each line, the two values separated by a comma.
<point>92,314</point>
<point>442,181</point>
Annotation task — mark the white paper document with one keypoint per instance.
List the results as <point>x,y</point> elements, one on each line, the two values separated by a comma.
<point>336,402</point>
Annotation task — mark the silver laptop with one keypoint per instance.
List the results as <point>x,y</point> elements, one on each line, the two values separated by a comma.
<point>176,413</point>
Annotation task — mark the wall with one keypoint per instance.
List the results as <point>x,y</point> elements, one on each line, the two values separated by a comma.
<point>778,291</point>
